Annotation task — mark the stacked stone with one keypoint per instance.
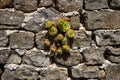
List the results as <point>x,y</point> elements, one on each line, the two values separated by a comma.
<point>95,50</point>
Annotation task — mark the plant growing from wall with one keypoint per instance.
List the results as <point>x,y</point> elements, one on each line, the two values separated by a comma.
<point>60,33</point>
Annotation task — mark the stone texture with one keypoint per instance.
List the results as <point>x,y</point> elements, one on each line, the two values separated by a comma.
<point>69,59</point>
<point>25,5</point>
<point>10,20</point>
<point>14,58</point>
<point>75,22</point>
<point>36,58</point>
<point>5,3</point>
<point>113,59</point>
<point>113,51</point>
<point>107,37</point>
<point>83,71</point>
<point>40,37</point>
<point>9,56</point>
<point>21,73</point>
<point>102,20</point>
<point>56,73</point>
<point>113,72</point>
<point>4,54</point>
<point>3,38</point>
<point>22,40</point>
<point>36,24</point>
<point>81,40</point>
<point>115,4</point>
<point>46,3</point>
<point>95,4</point>
<point>93,55</point>
<point>69,5</point>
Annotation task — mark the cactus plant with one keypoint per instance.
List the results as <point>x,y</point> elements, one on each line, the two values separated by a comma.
<point>53,49</point>
<point>59,37</point>
<point>60,21</point>
<point>66,48</point>
<point>65,26</point>
<point>64,40</point>
<point>70,33</point>
<point>47,42</point>
<point>49,24</point>
<point>53,31</point>
<point>59,51</point>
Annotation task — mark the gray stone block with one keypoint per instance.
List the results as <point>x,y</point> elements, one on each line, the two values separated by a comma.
<point>69,5</point>
<point>102,20</point>
<point>90,72</point>
<point>95,4</point>
<point>10,20</point>
<point>3,38</point>
<point>36,58</point>
<point>25,5</point>
<point>107,37</point>
<point>115,4</point>
<point>69,59</point>
<point>113,72</point>
<point>22,40</point>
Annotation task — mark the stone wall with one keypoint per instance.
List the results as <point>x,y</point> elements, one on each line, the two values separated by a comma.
<point>95,53</point>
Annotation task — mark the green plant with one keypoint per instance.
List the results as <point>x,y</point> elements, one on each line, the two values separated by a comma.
<point>64,40</point>
<point>70,33</point>
<point>60,34</point>
<point>47,42</point>
<point>65,26</point>
<point>59,37</point>
<point>53,49</point>
<point>66,48</point>
<point>49,24</point>
<point>59,51</point>
<point>53,31</point>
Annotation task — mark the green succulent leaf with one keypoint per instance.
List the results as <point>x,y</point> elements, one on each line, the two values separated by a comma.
<point>65,26</point>
<point>70,33</point>
<point>53,31</point>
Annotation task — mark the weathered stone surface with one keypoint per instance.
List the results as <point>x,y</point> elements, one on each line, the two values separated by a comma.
<point>95,4</point>
<point>21,73</point>
<point>69,5</point>
<point>36,24</point>
<point>69,59</point>
<point>81,40</point>
<point>5,3</point>
<point>93,55</point>
<point>3,38</point>
<point>10,20</point>
<point>54,73</point>
<point>9,56</point>
<point>14,58</point>
<point>83,71</point>
<point>46,3</point>
<point>4,54</point>
<point>113,72</point>
<point>25,5</point>
<point>115,4</point>
<point>102,20</point>
<point>113,59</point>
<point>107,37</point>
<point>75,22</point>
<point>40,37</point>
<point>22,40</point>
<point>36,58</point>
<point>113,51</point>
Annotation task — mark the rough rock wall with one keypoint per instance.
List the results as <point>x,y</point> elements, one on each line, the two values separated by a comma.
<point>95,53</point>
